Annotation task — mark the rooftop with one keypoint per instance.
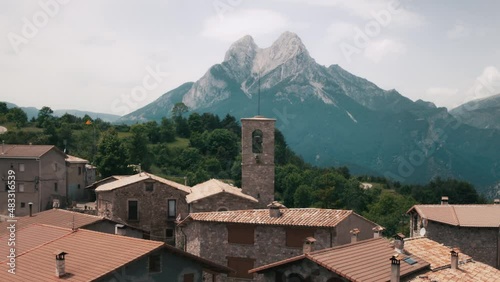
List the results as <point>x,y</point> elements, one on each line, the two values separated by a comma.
<point>73,159</point>
<point>91,254</point>
<point>461,215</point>
<point>367,260</point>
<point>122,182</point>
<point>214,187</point>
<point>25,151</point>
<point>54,217</point>
<point>438,256</point>
<point>309,217</point>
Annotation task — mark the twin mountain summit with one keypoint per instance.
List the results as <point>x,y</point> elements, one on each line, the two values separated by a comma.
<point>333,118</point>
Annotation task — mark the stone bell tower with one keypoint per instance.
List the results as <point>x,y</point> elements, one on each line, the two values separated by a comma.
<point>257,164</point>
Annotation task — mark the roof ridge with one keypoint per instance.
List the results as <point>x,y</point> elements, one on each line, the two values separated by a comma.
<point>454,213</point>
<point>366,241</point>
<point>80,213</point>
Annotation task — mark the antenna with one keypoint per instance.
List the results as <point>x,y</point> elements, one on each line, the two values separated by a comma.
<point>258,101</point>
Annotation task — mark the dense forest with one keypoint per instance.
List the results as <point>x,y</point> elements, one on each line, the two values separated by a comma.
<point>192,149</point>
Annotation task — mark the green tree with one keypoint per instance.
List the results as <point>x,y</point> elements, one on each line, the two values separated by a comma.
<point>3,108</point>
<point>44,115</point>
<point>138,150</point>
<point>303,196</point>
<point>167,130</point>
<point>111,156</point>
<point>179,109</point>
<point>222,144</point>
<point>17,116</point>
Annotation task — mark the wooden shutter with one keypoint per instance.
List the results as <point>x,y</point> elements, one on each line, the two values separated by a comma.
<point>295,236</point>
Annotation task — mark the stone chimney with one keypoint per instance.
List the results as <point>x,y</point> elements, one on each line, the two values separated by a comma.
<point>395,268</point>
<point>354,235</point>
<point>120,229</point>
<point>60,263</point>
<point>496,201</point>
<point>30,205</point>
<point>399,243</point>
<point>444,200</point>
<point>377,231</point>
<point>454,258</point>
<point>308,245</point>
<point>274,209</point>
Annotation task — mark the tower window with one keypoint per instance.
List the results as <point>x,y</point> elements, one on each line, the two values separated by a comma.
<point>257,137</point>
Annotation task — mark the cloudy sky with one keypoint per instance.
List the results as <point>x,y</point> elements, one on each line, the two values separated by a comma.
<point>95,55</point>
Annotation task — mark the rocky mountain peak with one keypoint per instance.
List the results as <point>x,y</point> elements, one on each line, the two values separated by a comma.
<point>242,50</point>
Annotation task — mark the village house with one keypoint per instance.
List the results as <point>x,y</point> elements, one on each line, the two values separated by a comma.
<point>79,173</point>
<point>374,260</point>
<point>245,239</point>
<point>49,253</point>
<point>144,201</point>
<point>68,219</point>
<point>475,229</point>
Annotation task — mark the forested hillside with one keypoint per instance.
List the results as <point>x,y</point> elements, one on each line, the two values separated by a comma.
<point>198,147</point>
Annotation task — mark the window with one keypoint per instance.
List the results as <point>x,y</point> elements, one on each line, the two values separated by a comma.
<point>21,187</point>
<point>55,166</point>
<point>169,233</point>
<point>154,263</point>
<point>240,234</point>
<point>79,170</point>
<point>149,186</point>
<point>23,204</point>
<point>78,186</point>
<point>189,277</point>
<point>55,186</point>
<point>257,141</point>
<point>172,208</point>
<point>21,167</point>
<point>241,266</point>
<point>133,211</point>
<point>295,236</point>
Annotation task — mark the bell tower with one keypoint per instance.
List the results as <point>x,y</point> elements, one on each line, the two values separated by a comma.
<point>257,159</point>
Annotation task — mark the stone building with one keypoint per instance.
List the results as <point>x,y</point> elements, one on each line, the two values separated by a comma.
<point>245,239</point>
<point>144,201</point>
<point>257,159</point>
<point>215,195</point>
<point>79,175</point>
<point>475,229</point>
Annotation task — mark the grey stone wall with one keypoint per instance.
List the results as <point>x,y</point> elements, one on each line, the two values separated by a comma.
<point>257,170</point>
<point>482,244</point>
<point>222,200</point>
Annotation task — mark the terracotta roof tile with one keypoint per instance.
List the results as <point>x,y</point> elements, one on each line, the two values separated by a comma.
<point>214,187</point>
<point>25,151</point>
<point>55,217</point>
<point>122,182</point>
<point>461,215</point>
<point>73,159</point>
<point>367,260</point>
<point>296,217</point>
<point>439,257</point>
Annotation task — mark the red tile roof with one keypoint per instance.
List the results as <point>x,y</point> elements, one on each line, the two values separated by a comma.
<point>367,260</point>
<point>55,217</point>
<point>213,187</point>
<point>74,159</point>
<point>25,151</point>
<point>91,255</point>
<point>292,217</point>
<point>461,215</point>
<point>439,258</point>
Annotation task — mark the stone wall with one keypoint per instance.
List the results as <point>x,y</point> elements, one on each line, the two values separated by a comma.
<point>482,244</point>
<point>222,201</point>
<point>309,271</point>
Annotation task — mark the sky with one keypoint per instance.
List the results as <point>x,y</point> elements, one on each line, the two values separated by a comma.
<point>116,56</point>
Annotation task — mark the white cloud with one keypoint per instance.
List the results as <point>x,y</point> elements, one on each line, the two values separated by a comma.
<point>340,31</point>
<point>485,85</point>
<point>441,91</point>
<point>236,24</point>
<point>377,50</point>
<point>458,31</point>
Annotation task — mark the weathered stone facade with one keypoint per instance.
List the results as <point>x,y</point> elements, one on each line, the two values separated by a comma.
<point>152,207</point>
<point>221,202</point>
<point>210,241</point>
<point>257,153</point>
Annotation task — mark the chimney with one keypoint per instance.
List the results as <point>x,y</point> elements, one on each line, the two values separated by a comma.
<point>454,258</point>
<point>308,245</point>
<point>30,205</point>
<point>60,263</point>
<point>274,209</point>
<point>395,265</point>
<point>377,231</point>
<point>399,243</point>
<point>354,235</point>
<point>120,229</point>
<point>496,202</point>
<point>444,200</point>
